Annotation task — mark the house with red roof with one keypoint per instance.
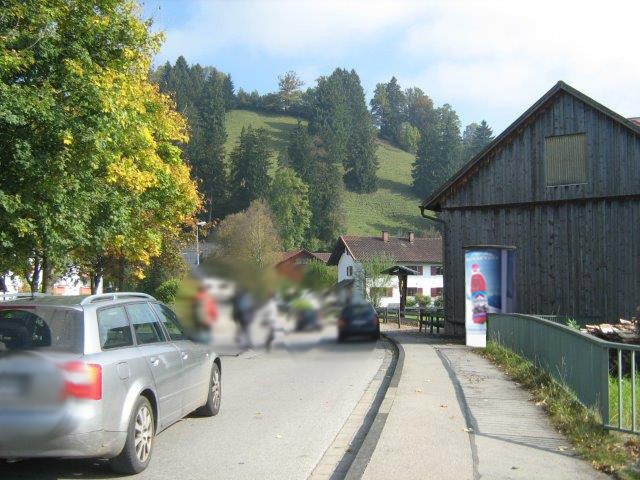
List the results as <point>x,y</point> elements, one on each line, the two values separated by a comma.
<point>293,263</point>
<point>423,255</point>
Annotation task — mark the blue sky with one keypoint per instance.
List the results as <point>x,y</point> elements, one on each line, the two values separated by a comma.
<point>488,59</point>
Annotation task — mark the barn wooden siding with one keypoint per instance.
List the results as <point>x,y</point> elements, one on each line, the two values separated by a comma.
<point>578,245</point>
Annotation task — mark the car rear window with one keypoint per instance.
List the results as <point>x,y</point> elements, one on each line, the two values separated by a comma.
<point>357,311</point>
<point>32,328</point>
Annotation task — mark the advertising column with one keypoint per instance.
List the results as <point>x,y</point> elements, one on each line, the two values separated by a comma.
<point>489,288</point>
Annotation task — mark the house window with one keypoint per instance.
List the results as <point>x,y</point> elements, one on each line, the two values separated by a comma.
<point>412,292</point>
<point>436,292</point>
<point>565,159</point>
<point>436,270</point>
<point>349,271</point>
<point>381,291</point>
<point>417,268</point>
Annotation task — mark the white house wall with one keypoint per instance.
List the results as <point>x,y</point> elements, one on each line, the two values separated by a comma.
<point>426,281</point>
<point>346,261</point>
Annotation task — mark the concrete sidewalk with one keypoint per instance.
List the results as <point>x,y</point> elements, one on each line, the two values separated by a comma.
<point>454,415</point>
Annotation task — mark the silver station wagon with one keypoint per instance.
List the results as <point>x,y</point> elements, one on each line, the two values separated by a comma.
<point>98,376</point>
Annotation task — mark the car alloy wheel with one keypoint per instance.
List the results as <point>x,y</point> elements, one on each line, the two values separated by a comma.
<point>215,388</point>
<point>143,433</point>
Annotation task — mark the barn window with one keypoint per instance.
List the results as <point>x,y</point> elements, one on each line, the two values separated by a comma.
<point>565,159</point>
<point>349,271</point>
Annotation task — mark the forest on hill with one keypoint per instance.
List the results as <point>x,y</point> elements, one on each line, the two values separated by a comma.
<point>324,162</point>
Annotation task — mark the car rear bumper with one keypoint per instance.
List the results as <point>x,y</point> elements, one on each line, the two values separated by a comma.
<point>359,331</point>
<point>82,445</point>
<point>75,429</point>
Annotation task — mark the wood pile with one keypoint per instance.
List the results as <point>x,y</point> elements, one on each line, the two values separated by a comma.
<point>624,332</point>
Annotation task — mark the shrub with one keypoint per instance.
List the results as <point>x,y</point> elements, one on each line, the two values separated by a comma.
<point>423,300</point>
<point>411,302</point>
<point>438,302</point>
<point>302,305</point>
<point>572,323</point>
<point>168,290</point>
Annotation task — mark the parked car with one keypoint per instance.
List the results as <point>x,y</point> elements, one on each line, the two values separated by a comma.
<point>98,376</point>
<point>358,319</point>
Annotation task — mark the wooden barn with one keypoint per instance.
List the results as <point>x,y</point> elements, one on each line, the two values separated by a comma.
<point>562,185</point>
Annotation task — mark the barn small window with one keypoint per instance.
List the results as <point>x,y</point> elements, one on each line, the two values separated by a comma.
<point>565,159</point>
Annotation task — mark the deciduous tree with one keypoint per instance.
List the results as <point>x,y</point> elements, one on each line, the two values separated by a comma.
<point>371,280</point>
<point>289,86</point>
<point>289,203</point>
<point>87,144</point>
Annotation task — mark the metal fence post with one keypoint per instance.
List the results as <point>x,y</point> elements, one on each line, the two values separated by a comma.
<point>619,388</point>
<point>633,390</point>
<point>603,398</point>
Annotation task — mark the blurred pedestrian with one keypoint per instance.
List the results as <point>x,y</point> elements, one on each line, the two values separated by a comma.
<point>269,316</point>
<point>243,314</point>
<point>205,311</point>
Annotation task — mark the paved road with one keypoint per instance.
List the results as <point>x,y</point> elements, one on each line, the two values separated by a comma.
<point>280,411</point>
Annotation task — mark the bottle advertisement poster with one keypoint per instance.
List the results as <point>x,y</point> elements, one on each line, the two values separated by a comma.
<point>489,286</point>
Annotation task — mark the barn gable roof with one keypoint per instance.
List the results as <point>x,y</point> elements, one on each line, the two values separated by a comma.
<point>433,202</point>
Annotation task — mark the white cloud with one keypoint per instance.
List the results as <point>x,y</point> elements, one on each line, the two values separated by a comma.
<point>489,58</point>
<point>286,27</point>
<point>498,53</point>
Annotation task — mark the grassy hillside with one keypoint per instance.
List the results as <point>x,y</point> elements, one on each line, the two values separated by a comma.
<point>393,207</point>
<point>279,126</point>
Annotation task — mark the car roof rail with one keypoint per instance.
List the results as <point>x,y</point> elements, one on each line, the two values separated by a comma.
<point>103,297</point>
<point>7,296</point>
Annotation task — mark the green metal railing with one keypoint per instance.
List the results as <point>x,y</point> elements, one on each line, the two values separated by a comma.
<point>579,361</point>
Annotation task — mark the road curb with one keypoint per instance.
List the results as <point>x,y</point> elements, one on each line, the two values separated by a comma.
<point>341,453</point>
<point>370,442</point>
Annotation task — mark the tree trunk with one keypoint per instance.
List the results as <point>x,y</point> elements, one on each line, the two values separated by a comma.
<point>121,265</point>
<point>33,279</point>
<point>96,277</point>
<point>46,274</point>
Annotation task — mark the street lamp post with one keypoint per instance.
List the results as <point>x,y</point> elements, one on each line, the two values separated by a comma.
<point>198,225</point>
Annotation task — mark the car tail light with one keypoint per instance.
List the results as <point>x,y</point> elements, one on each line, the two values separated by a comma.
<point>83,380</point>
<point>342,322</point>
<point>376,319</point>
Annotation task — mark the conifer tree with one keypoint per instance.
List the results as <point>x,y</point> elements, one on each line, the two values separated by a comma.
<point>209,165</point>
<point>300,153</point>
<point>249,168</point>
<point>482,136</point>
<point>202,95</point>
<point>330,115</point>
<point>379,105</point>
<point>361,163</point>
<point>438,152</point>
<point>391,127</point>
<point>326,202</point>
<point>341,119</point>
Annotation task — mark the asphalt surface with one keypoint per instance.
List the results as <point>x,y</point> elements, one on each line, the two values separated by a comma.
<point>280,411</point>
<point>465,420</point>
